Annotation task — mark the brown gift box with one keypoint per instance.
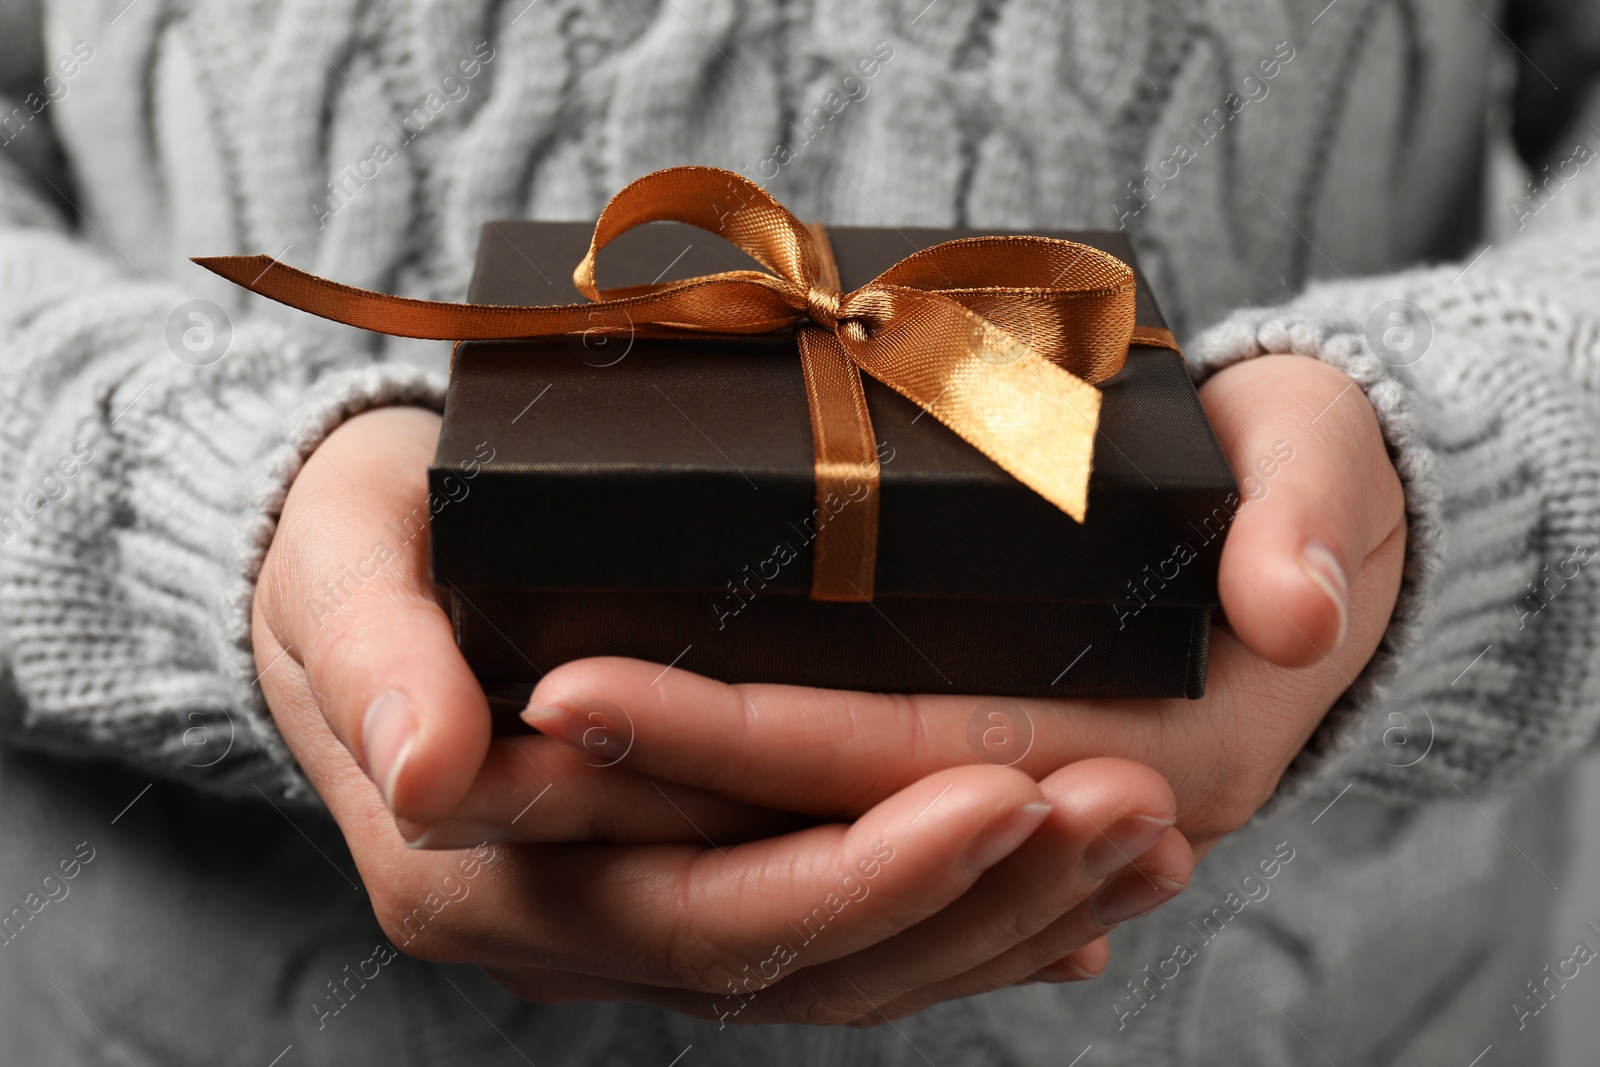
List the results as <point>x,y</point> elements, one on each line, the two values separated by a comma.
<point>655,498</point>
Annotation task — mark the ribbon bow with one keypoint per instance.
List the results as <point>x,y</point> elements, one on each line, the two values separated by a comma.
<point>1002,339</point>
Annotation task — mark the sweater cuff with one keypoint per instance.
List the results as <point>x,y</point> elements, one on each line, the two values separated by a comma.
<point>1341,750</point>
<point>127,575</point>
<point>338,399</point>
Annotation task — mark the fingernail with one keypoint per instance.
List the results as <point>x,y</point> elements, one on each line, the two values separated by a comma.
<point>1323,567</point>
<point>556,723</point>
<point>457,834</point>
<point>1122,844</point>
<point>1005,837</point>
<point>1062,971</point>
<point>1134,894</point>
<point>387,732</point>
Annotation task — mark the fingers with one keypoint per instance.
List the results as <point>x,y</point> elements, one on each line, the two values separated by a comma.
<point>346,591</point>
<point>621,921</point>
<point>535,790</point>
<point>704,919</point>
<point>832,754</point>
<point>1026,912</point>
<point>1073,948</point>
<point>1319,494</point>
<point>1088,962</point>
<point>828,753</point>
<point>1039,914</point>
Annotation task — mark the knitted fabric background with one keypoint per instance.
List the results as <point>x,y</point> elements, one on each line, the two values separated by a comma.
<point>1251,146</point>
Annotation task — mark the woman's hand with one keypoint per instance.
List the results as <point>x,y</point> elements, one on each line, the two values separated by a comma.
<point>950,883</point>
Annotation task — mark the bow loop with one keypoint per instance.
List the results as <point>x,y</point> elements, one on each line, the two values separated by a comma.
<point>717,201</point>
<point>1002,339</point>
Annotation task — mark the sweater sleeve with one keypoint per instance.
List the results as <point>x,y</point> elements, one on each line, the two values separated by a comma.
<point>144,455</point>
<point>1485,376</point>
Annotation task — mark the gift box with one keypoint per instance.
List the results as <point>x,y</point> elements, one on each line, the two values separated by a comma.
<point>1021,496</point>
<point>651,497</point>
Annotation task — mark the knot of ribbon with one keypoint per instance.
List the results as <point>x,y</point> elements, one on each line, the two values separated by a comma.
<point>822,306</point>
<point>1002,339</point>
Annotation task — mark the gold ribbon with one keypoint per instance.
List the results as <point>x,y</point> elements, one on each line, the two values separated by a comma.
<point>1002,339</point>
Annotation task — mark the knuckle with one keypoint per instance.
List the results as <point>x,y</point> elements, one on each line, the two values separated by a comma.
<point>327,651</point>
<point>824,1013</point>
<point>329,639</point>
<point>808,1002</point>
<point>1235,771</point>
<point>1252,779</point>
<point>1034,955</point>
<point>674,953</point>
<point>1224,815</point>
<point>414,938</point>
<point>1008,926</point>
<point>388,905</point>
<point>416,927</point>
<point>808,999</point>
<point>913,729</point>
<point>687,962</point>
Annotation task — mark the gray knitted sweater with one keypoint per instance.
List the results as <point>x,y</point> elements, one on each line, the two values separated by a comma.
<point>1291,155</point>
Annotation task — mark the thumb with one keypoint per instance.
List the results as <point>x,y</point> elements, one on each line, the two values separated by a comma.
<point>1318,496</point>
<point>346,590</point>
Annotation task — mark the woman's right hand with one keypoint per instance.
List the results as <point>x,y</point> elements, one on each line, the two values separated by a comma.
<point>969,879</point>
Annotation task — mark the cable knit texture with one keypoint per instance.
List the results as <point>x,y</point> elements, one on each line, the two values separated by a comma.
<point>1289,156</point>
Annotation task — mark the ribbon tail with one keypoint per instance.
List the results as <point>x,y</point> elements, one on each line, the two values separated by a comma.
<point>377,312</point>
<point>1046,439</point>
<point>729,303</point>
<point>1034,419</point>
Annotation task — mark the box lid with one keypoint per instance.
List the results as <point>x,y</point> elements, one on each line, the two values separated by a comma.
<point>644,463</point>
